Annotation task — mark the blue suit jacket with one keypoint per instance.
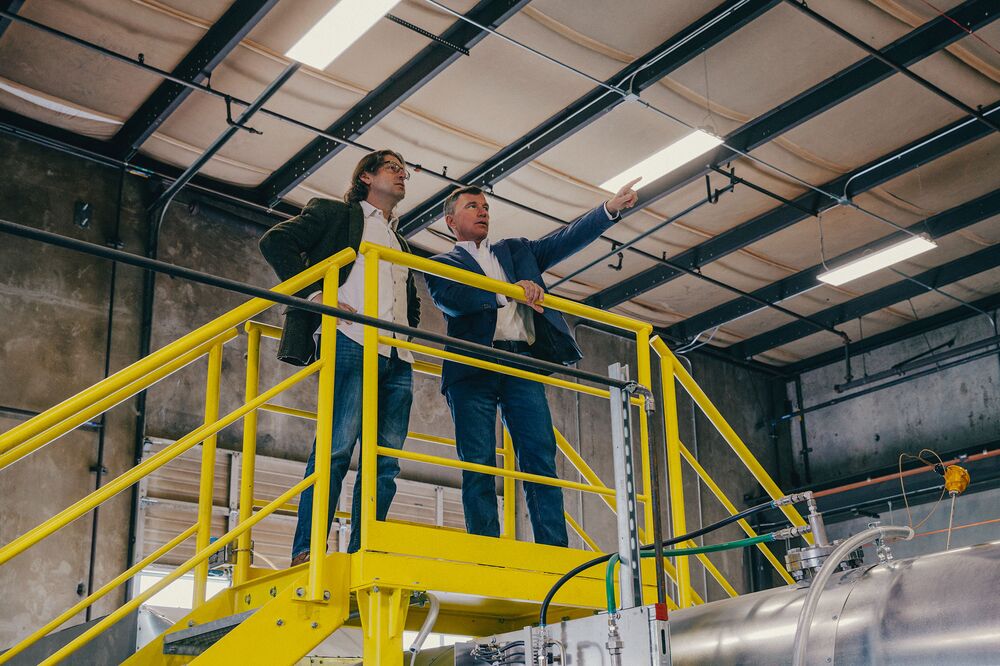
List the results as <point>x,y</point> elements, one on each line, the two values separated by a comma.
<point>471,314</point>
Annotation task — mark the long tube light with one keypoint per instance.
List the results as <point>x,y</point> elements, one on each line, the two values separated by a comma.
<point>666,160</point>
<point>341,27</point>
<point>877,260</point>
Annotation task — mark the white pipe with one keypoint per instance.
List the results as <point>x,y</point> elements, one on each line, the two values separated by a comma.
<point>823,577</point>
<point>425,629</point>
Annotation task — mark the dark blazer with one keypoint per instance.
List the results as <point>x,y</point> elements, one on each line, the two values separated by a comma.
<point>471,314</point>
<point>324,228</point>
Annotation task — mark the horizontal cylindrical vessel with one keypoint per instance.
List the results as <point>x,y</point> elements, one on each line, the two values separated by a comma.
<point>926,611</point>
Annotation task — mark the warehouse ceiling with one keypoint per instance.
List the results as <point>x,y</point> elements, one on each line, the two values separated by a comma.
<point>833,151</point>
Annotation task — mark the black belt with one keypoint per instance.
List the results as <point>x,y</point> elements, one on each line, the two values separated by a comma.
<point>516,346</point>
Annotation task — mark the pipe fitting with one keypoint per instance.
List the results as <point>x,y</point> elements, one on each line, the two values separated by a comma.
<point>635,388</point>
<point>791,532</point>
<point>794,498</point>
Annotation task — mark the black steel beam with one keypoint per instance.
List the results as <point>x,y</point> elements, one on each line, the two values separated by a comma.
<point>898,67</point>
<point>913,47</point>
<point>378,103</point>
<point>936,226</point>
<point>953,271</point>
<point>224,35</point>
<point>12,6</point>
<point>898,334</point>
<point>28,129</point>
<point>696,38</point>
<point>881,170</point>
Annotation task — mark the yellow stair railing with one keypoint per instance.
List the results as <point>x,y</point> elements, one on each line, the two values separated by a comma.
<point>395,557</point>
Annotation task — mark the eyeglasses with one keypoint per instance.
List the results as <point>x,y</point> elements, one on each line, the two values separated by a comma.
<point>396,169</point>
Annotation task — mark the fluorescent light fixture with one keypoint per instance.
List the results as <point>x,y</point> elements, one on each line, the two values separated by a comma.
<point>870,263</point>
<point>680,152</point>
<point>341,27</point>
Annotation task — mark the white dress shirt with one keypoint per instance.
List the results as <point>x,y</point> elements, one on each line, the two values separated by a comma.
<point>392,305</point>
<point>514,321</point>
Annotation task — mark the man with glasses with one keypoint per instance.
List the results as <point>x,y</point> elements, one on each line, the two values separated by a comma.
<point>324,228</point>
<point>491,319</point>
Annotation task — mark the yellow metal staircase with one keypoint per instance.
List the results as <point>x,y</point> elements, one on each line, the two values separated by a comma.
<point>485,585</point>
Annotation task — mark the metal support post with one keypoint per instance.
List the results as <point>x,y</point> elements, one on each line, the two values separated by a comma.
<point>207,473</point>
<point>249,456</point>
<point>644,378</point>
<point>509,490</point>
<point>367,469</point>
<point>674,479</point>
<point>383,616</point>
<point>629,578</point>
<point>324,441</point>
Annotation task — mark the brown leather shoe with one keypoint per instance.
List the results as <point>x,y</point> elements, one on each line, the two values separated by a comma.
<point>301,558</point>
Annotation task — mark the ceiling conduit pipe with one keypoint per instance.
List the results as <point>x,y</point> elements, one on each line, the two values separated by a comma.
<point>901,380</point>
<point>417,167</point>
<point>875,53</point>
<point>902,368</point>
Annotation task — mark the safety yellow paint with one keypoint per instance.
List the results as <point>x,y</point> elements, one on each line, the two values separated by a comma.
<point>207,480</point>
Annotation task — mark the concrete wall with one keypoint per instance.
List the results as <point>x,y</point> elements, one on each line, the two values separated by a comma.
<point>948,410</point>
<point>971,525</point>
<point>55,305</point>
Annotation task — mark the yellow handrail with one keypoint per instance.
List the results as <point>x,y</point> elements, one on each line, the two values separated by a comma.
<point>674,482</point>
<point>511,291</point>
<point>167,353</point>
<point>495,367</point>
<point>735,443</point>
<point>107,587</point>
<point>210,338</point>
<point>154,462</point>
<point>18,451</point>
<point>489,469</point>
<point>731,508</point>
<point>207,481</point>
<point>376,253</point>
<point>194,560</point>
<point>580,532</point>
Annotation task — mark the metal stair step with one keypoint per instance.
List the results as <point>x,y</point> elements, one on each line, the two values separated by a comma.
<point>197,639</point>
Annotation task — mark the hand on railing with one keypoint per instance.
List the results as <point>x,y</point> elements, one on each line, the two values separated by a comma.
<point>533,294</point>
<point>318,298</point>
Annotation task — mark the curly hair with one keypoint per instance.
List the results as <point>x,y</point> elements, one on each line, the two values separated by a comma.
<point>368,164</point>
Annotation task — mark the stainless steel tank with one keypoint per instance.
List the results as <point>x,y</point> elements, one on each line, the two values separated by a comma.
<point>934,610</point>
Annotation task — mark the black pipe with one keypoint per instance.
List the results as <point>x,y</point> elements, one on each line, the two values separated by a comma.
<point>227,134</point>
<point>878,55</point>
<point>26,414</point>
<point>729,520</point>
<point>157,266</point>
<point>804,440</point>
<point>901,380</point>
<point>736,180</point>
<point>655,452</point>
<point>628,244</point>
<point>917,362</point>
<point>417,167</point>
<point>114,241</point>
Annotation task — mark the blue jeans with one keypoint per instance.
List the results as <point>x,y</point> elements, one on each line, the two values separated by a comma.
<point>395,395</point>
<point>525,412</point>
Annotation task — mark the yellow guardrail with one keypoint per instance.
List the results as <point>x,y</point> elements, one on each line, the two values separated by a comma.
<point>62,418</point>
<point>209,339</point>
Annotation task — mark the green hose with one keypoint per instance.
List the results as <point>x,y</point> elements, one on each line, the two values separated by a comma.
<point>609,578</point>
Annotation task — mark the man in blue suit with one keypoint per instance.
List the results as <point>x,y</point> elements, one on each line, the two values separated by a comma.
<point>525,328</point>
